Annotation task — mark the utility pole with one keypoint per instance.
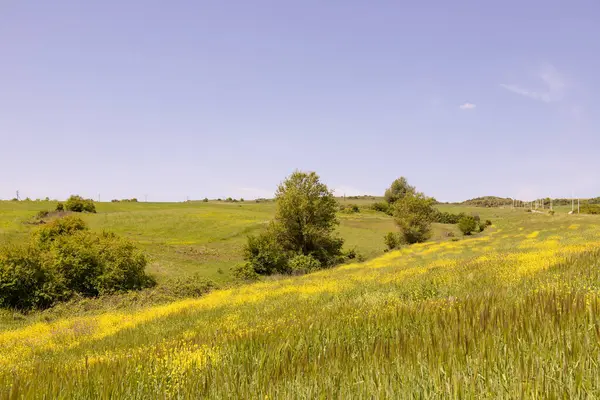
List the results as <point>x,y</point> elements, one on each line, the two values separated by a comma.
<point>577,205</point>
<point>18,198</point>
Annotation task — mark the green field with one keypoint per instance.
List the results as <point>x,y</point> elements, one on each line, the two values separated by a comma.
<point>196,237</point>
<point>509,313</point>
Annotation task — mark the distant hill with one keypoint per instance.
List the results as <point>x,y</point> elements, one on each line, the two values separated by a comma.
<point>489,201</point>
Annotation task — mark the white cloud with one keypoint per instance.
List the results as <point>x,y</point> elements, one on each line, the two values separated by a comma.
<point>554,86</point>
<point>467,106</point>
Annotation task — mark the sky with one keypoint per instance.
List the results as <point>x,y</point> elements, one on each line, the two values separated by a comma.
<point>193,99</point>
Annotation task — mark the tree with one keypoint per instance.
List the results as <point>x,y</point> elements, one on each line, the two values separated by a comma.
<point>306,217</point>
<point>414,214</point>
<point>304,224</point>
<point>399,189</point>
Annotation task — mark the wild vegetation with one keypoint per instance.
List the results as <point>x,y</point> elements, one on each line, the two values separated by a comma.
<point>510,313</point>
<point>63,259</point>
<point>507,309</point>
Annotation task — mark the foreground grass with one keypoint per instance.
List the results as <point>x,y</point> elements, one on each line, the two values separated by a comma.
<point>510,314</point>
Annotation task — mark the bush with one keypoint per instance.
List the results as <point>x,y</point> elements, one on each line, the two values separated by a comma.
<point>79,204</point>
<point>265,255</point>
<point>64,259</point>
<point>245,272</point>
<point>60,207</point>
<point>589,209</point>
<point>392,240</point>
<point>349,208</point>
<point>467,225</point>
<point>488,222</point>
<point>551,212</point>
<point>381,207</point>
<point>443,217</point>
<point>413,214</point>
<point>205,200</point>
<point>42,214</point>
<point>301,264</point>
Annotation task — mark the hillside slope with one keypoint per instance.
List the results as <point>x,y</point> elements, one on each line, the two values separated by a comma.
<point>512,313</point>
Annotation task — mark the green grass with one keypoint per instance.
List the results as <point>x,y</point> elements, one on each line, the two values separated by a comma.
<point>196,237</point>
<point>510,313</point>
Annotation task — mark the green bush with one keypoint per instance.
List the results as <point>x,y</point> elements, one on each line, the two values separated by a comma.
<point>265,255</point>
<point>589,209</point>
<point>381,207</point>
<point>392,240</point>
<point>24,281</point>
<point>467,224</point>
<point>60,207</point>
<point>205,200</point>
<point>79,204</point>
<point>488,222</point>
<point>63,259</point>
<point>443,217</point>
<point>245,272</point>
<point>58,227</point>
<point>301,264</point>
<point>414,214</point>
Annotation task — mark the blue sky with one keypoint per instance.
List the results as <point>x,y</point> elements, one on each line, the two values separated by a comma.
<point>226,98</point>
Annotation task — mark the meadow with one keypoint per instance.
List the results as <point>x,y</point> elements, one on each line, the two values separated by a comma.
<point>182,239</point>
<point>508,313</point>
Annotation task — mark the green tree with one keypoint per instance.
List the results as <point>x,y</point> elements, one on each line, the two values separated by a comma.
<point>304,224</point>
<point>399,189</point>
<point>306,217</point>
<point>414,214</point>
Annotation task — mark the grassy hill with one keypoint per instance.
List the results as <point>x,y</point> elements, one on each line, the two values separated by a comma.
<point>195,237</point>
<point>510,313</point>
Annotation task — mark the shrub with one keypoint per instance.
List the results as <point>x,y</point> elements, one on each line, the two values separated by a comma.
<point>301,264</point>
<point>205,200</point>
<point>58,227</point>
<point>60,207</point>
<point>413,214</point>
<point>79,204</point>
<point>24,282</point>
<point>589,209</point>
<point>349,208</point>
<point>265,255</point>
<point>551,212</point>
<point>381,207</point>
<point>64,259</point>
<point>42,214</point>
<point>488,222</point>
<point>392,240</point>
<point>467,224</point>
<point>443,217</point>
<point>245,272</point>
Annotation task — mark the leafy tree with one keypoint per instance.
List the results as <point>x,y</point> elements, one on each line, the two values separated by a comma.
<point>414,214</point>
<point>304,224</point>
<point>467,224</point>
<point>399,189</point>
<point>306,217</point>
